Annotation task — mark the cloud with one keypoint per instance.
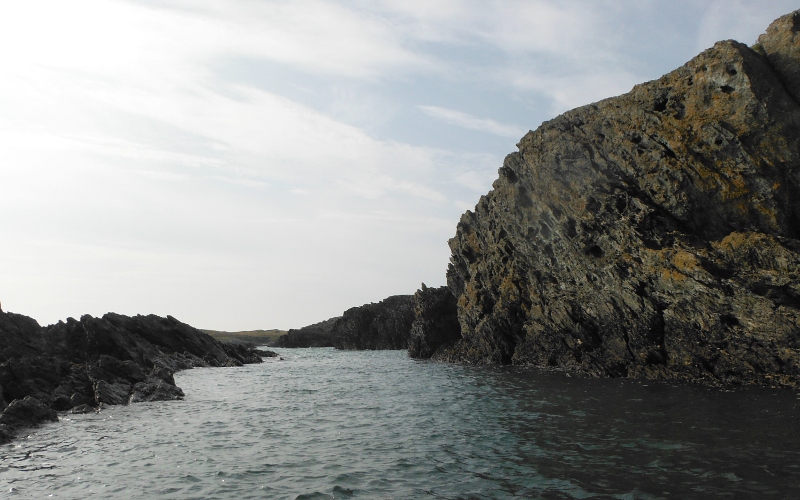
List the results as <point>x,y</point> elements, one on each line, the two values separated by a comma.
<point>739,20</point>
<point>465,120</point>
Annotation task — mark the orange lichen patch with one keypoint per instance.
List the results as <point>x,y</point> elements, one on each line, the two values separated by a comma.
<point>470,296</point>
<point>471,239</point>
<point>686,262</point>
<point>672,275</point>
<point>508,290</point>
<point>737,240</point>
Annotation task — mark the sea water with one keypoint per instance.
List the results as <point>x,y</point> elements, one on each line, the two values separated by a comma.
<point>325,424</point>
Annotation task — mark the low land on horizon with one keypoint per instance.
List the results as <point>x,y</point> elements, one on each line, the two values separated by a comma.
<point>260,337</point>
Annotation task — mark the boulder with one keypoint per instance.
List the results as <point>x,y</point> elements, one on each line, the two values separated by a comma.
<point>26,412</point>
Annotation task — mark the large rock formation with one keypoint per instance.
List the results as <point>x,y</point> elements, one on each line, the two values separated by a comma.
<point>376,326</point>
<point>79,365</point>
<point>655,234</point>
<point>316,335</point>
<point>435,323</point>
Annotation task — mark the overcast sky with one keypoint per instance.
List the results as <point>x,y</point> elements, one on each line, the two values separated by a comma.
<point>267,164</point>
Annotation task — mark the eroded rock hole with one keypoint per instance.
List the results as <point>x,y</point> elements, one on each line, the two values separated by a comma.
<point>595,251</point>
<point>660,105</point>
<point>729,320</point>
<point>593,205</point>
<point>727,89</point>
<point>572,230</point>
<point>508,174</point>
<point>621,204</point>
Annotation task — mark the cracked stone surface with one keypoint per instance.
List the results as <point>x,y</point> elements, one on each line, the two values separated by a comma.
<point>654,234</point>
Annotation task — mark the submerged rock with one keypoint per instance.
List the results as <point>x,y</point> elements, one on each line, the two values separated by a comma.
<point>98,361</point>
<point>654,234</point>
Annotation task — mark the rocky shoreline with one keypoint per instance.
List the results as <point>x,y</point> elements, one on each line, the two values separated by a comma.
<point>81,365</point>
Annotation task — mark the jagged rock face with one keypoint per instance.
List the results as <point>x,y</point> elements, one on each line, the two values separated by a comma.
<point>384,325</point>
<point>435,322</point>
<point>316,335</point>
<point>110,360</point>
<point>653,234</point>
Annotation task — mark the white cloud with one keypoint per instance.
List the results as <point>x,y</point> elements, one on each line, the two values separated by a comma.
<point>739,20</point>
<point>465,120</point>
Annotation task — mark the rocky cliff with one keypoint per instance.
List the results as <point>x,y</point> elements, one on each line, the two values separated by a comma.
<point>316,335</point>
<point>80,365</point>
<point>382,325</point>
<point>654,234</point>
<point>435,323</point>
<point>374,326</point>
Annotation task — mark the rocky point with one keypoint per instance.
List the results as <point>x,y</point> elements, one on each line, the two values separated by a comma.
<point>655,234</point>
<point>79,366</point>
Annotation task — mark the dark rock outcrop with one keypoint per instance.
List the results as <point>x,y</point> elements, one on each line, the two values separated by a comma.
<point>316,335</point>
<point>375,326</point>
<point>110,360</point>
<point>23,413</point>
<point>382,325</point>
<point>435,322</point>
<point>655,234</point>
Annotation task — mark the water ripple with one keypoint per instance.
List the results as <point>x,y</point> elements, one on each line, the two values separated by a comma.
<point>328,424</point>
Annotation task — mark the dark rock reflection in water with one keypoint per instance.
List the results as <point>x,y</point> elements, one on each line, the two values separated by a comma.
<point>375,424</point>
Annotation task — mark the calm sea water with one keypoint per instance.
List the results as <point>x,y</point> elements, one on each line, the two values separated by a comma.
<point>330,424</point>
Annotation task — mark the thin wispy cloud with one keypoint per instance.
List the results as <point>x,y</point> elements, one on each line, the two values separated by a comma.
<point>468,121</point>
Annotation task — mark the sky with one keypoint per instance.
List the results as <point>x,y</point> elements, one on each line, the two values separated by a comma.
<point>243,164</point>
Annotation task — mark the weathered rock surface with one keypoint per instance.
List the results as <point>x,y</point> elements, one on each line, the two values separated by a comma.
<point>655,234</point>
<point>316,335</point>
<point>376,326</point>
<point>22,413</point>
<point>435,323</point>
<point>111,360</point>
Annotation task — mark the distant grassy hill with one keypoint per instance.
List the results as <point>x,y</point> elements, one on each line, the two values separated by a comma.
<point>258,337</point>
